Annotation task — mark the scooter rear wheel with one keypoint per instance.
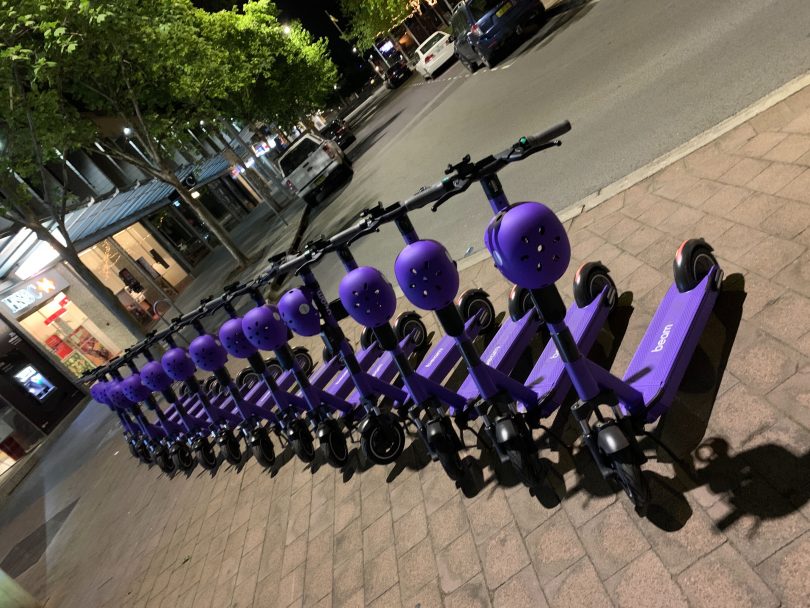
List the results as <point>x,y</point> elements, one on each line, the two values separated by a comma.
<point>590,281</point>
<point>205,454</point>
<point>382,442</point>
<point>411,324</point>
<point>304,359</point>
<point>183,458</point>
<point>477,301</point>
<point>262,449</point>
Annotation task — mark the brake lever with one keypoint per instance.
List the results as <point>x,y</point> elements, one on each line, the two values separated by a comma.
<point>455,190</point>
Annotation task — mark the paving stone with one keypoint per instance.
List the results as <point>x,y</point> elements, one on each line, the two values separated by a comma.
<point>521,591</point>
<point>799,188</point>
<point>793,397</point>
<point>744,171</point>
<point>577,586</point>
<point>761,144</point>
<point>639,239</point>
<point>612,540</point>
<point>348,541</point>
<point>416,568</point>
<point>790,149</point>
<point>472,595</point>
<point>406,496</point>
<point>527,510</point>
<point>786,572</point>
<point>588,494</point>
<point>290,589</point>
<point>347,511</point>
<point>389,598</point>
<point>374,505</point>
<point>298,520</point>
<point>756,519</point>
<point>448,523</point>
<point>487,514</point>
<point>317,581</point>
<point>702,191</point>
<point>772,254</point>
<point>678,530</point>
<point>428,596</point>
<point>294,555</point>
<point>709,162</point>
<point>437,488</point>
<point>378,536</point>
<point>553,547</point>
<point>775,177</point>
<point>762,361</point>
<point>410,529</point>
<point>457,563</point>
<point>380,574</point>
<point>503,555</point>
<point>347,578</point>
<point>723,578</point>
<point>645,582</point>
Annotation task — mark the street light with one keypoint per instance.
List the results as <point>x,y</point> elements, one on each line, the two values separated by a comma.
<point>286,29</point>
<point>127,132</point>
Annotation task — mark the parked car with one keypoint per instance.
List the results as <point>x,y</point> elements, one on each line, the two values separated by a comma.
<point>397,74</point>
<point>339,132</point>
<point>433,54</point>
<point>313,166</point>
<point>482,27</point>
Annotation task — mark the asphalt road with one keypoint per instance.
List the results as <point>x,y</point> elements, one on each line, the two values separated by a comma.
<point>636,78</point>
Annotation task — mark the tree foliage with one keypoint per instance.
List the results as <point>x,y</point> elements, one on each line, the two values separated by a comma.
<point>75,71</point>
<point>370,18</point>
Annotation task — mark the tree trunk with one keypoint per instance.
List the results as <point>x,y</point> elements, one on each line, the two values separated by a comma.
<point>207,218</point>
<point>94,284</point>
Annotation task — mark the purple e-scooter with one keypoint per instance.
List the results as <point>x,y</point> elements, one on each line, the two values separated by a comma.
<point>530,248</point>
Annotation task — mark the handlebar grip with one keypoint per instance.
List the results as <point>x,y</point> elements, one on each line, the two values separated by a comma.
<point>428,194</point>
<point>548,135</point>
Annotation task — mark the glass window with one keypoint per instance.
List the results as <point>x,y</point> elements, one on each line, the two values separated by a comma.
<point>479,8</point>
<point>459,22</point>
<point>430,43</point>
<point>297,155</point>
<point>18,436</point>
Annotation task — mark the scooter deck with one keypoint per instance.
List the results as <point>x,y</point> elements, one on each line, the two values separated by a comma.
<point>548,378</point>
<point>342,385</point>
<point>384,368</point>
<point>504,350</point>
<point>444,356</point>
<point>662,356</point>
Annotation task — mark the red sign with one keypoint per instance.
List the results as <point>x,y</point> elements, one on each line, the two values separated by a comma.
<point>55,316</point>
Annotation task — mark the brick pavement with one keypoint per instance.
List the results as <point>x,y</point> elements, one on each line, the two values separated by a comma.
<point>731,521</point>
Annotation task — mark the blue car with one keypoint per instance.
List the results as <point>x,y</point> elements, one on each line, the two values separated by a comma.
<point>482,27</point>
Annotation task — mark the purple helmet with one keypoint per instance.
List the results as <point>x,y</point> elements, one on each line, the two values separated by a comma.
<point>299,313</point>
<point>264,328</point>
<point>154,377</point>
<point>367,296</point>
<point>233,339</point>
<point>207,353</point>
<point>99,392</point>
<point>529,245</point>
<point>178,365</point>
<point>134,390</point>
<point>116,396</point>
<point>427,275</point>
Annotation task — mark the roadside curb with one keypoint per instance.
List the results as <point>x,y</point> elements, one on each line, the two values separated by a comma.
<point>628,181</point>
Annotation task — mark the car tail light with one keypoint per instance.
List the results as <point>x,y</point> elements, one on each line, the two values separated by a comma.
<point>328,149</point>
<point>290,185</point>
<point>475,30</point>
<point>429,57</point>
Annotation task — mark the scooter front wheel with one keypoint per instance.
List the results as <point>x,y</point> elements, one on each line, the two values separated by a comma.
<point>631,480</point>
<point>451,462</point>
<point>183,458</point>
<point>231,448</point>
<point>262,448</point>
<point>382,442</point>
<point>164,461</point>
<point>205,454</point>
<point>301,442</point>
<point>333,447</point>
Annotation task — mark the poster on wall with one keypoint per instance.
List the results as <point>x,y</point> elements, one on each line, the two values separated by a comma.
<point>89,346</point>
<point>77,364</point>
<point>59,347</point>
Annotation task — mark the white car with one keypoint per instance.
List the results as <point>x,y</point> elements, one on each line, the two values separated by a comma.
<point>314,166</point>
<point>433,54</point>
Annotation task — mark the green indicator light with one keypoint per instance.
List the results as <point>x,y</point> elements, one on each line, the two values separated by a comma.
<point>523,141</point>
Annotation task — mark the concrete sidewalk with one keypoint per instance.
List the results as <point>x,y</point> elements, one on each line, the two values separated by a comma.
<point>731,522</point>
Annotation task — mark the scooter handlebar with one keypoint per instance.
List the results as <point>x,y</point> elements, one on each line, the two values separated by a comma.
<point>546,136</point>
